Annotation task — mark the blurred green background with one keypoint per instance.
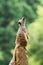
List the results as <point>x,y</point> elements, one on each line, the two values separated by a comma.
<point>10,12</point>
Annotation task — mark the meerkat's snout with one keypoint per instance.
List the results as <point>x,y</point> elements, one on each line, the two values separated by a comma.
<point>23,18</point>
<point>21,21</point>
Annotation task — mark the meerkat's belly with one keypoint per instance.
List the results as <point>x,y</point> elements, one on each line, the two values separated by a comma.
<point>21,58</point>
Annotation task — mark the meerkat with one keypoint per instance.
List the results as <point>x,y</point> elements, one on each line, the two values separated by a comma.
<point>19,53</point>
<point>22,36</point>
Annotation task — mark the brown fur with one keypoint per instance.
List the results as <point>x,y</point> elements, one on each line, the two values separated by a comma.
<point>19,54</point>
<point>22,37</point>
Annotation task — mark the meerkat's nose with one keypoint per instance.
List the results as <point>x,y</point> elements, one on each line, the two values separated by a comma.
<point>23,18</point>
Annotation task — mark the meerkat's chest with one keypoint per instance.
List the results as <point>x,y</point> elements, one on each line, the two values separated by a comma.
<point>21,30</point>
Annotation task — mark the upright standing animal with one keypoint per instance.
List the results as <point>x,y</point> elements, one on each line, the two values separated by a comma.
<point>19,53</point>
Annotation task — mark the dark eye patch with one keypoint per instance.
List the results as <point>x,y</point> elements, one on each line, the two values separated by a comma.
<point>19,23</point>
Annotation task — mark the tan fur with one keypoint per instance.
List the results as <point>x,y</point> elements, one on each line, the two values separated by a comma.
<point>19,54</point>
<point>22,37</point>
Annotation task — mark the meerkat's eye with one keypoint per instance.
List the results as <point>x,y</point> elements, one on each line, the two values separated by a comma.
<point>19,23</point>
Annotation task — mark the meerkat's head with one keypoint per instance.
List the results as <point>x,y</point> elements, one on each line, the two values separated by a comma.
<point>21,22</point>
